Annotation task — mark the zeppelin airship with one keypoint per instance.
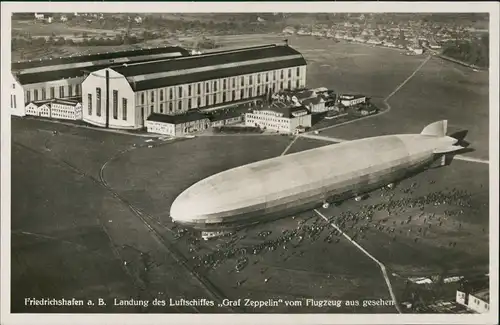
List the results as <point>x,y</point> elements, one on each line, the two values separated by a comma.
<point>285,185</point>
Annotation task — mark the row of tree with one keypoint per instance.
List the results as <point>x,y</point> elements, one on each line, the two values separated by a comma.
<point>39,42</point>
<point>475,52</point>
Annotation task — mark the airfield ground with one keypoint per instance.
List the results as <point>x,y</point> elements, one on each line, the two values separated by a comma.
<point>78,197</point>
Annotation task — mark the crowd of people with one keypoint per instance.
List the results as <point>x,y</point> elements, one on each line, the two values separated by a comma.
<point>397,214</point>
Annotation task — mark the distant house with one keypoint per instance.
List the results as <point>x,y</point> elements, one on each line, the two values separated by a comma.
<point>64,18</point>
<point>289,30</point>
<point>177,125</point>
<point>138,20</point>
<point>39,16</point>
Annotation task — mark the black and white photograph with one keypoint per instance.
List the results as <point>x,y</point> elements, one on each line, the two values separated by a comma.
<point>282,163</point>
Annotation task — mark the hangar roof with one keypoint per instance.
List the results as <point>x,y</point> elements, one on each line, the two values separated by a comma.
<point>74,67</point>
<point>22,65</point>
<point>222,64</point>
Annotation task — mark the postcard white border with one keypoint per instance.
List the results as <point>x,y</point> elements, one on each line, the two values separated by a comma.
<point>7,8</point>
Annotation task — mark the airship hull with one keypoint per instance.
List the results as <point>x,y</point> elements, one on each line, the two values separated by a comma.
<point>306,200</point>
<point>285,185</point>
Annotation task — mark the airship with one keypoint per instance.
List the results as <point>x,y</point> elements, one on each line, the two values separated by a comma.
<point>294,183</point>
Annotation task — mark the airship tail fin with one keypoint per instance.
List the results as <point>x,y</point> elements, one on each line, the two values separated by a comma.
<point>448,149</point>
<point>436,129</point>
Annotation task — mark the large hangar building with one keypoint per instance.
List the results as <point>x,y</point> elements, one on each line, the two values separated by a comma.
<point>125,95</point>
<point>56,78</point>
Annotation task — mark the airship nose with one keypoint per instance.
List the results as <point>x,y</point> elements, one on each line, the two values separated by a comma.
<point>182,209</point>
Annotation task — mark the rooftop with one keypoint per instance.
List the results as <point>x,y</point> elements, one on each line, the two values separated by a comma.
<point>220,64</point>
<point>287,110</point>
<point>66,70</point>
<point>66,101</point>
<point>189,116</point>
<point>482,294</point>
<point>22,65</point>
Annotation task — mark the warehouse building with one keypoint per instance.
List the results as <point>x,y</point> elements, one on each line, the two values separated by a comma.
<point>125,96</point>
<point>177,125</point>
<point>37,80</point>
<point>280,117</point>
<point>64,109</point>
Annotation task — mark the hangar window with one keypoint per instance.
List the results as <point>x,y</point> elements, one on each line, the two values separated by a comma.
<point>289,84</point>
<point>250,80</point>
<point>161,107</point>
<point>281,74</point>
<point>90,104</point>
<point>152,97</point>
<point>70,91</point>
<point>35,94</point>
<point>179,105</point>
<point>77,89</point>
<point>258,78</point>
<point>281,85</point>
<point>98,101</point>
<point>43,93</point>
<point>189,90</point>
<point>52,92</point>
<point>170,93</point>
<point>234,81</point>
<point>242,78</point>
<point>224,97</point>
<point>28,96</point>
<point>224,84</point>
<point>258,91</point>
<point>151,110</point>
<point>189,103</point>
<point>215,99</point>
<point>297,84</point>
<point>61,91</point>
<point>170,106</point>
<point>250,92</point>
<point>242,93</point>
<point>298,71</point>
<point>180,92</point>
<point>233,95</point>
<point>142,98</point>
<point>115,104</point>
<point>198,88</point>
<point>161,95</point>
<point>274,75</point>
<point>207,100</point>
<point>207,87</point>
<point>267,76</point>
<point>215,85</point>
<point>198,102</point>
<point>289,73</point>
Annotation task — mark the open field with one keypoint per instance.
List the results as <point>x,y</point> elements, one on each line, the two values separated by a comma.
<point>62,203</point>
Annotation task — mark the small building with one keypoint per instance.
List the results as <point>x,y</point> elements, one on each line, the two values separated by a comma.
<point>351,100</point>
<point>177,125</point>
<point>280,116</point>
<point>317,100</point>
<point>479,301</point>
